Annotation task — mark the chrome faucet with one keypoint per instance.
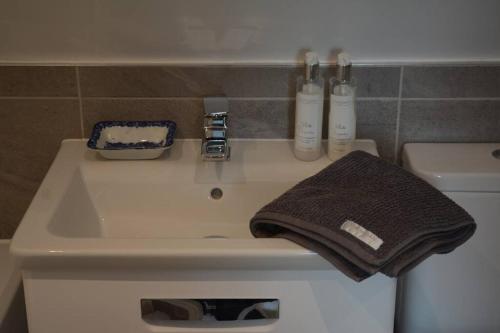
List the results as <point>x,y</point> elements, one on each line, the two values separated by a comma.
<point>215,144</point>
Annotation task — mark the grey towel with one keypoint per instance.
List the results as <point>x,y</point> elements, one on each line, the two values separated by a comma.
<point>365,215</point>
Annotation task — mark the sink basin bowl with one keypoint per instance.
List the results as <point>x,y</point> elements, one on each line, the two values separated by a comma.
<point>101,212</point>
<point>103,237</point>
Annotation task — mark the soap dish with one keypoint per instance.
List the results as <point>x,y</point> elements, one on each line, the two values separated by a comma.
<point>132,140</point>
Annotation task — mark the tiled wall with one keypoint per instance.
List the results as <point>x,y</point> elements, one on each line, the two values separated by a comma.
<point>40,106</point>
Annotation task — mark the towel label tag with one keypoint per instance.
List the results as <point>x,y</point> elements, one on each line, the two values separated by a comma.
<point>366,236</point>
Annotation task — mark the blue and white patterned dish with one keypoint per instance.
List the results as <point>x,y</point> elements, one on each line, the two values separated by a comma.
<point>132,139</point>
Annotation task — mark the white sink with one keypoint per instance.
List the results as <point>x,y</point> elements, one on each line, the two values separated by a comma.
<point>101,236</point>
<point>94,210</point>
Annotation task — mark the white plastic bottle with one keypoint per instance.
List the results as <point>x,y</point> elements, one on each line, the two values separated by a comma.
<point>342,118</point>
<point>309,111</point>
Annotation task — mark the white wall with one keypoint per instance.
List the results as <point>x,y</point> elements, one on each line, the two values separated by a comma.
<point>247,31</point>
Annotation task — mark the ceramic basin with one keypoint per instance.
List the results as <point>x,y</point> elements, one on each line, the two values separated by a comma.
<point>177,210</point>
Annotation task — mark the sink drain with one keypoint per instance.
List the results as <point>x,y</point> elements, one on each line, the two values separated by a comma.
<point>215,237</point>
<point>216,193</point>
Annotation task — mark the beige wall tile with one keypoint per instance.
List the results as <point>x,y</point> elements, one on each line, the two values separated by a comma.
<point>30,132</point>
<point>33,81</point>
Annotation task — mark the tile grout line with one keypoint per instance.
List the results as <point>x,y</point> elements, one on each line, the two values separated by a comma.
<point>180,98</point>
<point>398,115</point>
<point>79,97</point>
<point>38,97</point>
<point>271,98</point>
<point>452,99</point>
<point>373,63</point>
<point>430,99</point>
<point>377,98</point>
<point>80,104</point>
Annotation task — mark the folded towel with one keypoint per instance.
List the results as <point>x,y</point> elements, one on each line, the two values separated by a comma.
<point>365,215</point>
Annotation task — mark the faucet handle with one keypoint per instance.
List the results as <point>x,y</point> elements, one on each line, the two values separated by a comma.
<point>216,150</point>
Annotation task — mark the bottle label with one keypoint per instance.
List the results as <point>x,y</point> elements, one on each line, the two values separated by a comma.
<point>342,118</point>
<point>308,121</point>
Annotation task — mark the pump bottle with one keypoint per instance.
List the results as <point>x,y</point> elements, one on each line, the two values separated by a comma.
<point>342,117</point>
<point>309,111</point>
